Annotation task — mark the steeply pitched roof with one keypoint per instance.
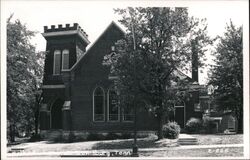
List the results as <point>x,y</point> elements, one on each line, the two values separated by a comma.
<point>93,44</point>
<point>177,72</point>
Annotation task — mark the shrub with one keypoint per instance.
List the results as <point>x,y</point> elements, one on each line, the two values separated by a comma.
<point>171,130</point>
<point>95,137</point>
<point>111,136</point>
<point>35,137</point>
<point>71,137</point>
<point>58,139</point>
<point>193,125</point>
<point>126,136</point>
<point>209,125</point>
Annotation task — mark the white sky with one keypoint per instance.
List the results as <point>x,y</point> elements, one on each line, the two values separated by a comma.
<point>95,16</point>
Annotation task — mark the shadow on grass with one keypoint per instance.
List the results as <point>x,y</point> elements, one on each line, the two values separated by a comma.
<point>141,143</point>
<point>18,141</point>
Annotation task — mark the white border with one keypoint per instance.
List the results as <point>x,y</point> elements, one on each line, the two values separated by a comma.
<point>144,3</point>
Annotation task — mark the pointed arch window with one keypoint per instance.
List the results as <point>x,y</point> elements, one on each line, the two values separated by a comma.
<point>65,59</point>
<point>57,62</point>
<point>113,107</point>
<point>98,105</point>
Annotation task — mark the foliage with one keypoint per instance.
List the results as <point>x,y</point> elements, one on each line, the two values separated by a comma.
<point>111,136</point>
<point>95,137</point>
<point>227,73</point>
<point>148,60</point>
<point>35,137</point>
<point>194,125</point>
<point>59,138</point>
<point>71,137</point>
<point>24,76</point>
<point>126,136</point>
<point>171,130</point>
<point>209,125</point>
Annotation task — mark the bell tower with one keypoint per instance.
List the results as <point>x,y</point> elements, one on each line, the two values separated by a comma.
<point>64,46</point>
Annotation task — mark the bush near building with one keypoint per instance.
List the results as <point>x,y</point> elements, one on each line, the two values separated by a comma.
<point>171,130</point>
<point>194,125</point>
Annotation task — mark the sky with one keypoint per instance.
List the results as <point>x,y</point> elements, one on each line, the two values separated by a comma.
<point>95,16</point>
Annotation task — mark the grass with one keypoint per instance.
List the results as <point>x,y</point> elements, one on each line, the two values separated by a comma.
<point>150,142</point>
<point>209,139</point>
<point>172,149</point>
<point>202,152</point>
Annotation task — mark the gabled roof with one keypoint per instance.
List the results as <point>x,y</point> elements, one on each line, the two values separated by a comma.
<point>177,72</point>
<point>93,44</point>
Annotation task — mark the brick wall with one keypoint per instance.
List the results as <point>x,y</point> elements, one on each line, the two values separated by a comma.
<point>90,74</point>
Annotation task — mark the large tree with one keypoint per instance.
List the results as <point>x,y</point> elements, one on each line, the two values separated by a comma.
<point>24,73</point>
<point>227,73</point>
<point>158,43</point>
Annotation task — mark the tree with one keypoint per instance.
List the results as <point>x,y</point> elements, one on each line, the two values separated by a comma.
<point>156,46</point>
<point>227,73</point>
<point>24,74</point>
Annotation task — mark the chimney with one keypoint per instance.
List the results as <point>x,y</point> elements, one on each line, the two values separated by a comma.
<point>195,75</point>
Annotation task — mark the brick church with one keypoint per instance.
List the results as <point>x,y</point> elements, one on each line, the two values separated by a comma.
<point>78,93</point>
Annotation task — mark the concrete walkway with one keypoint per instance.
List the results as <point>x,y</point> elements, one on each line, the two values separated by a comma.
<point>103,152</point>
<point>183,136</point>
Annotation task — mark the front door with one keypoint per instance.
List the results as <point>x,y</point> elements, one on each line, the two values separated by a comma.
<point>56,115</point>
<point>179,116</point>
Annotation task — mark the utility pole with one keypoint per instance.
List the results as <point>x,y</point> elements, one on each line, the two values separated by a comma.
<point>135,147</point>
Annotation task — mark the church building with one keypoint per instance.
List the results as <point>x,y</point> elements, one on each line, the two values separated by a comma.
<point>78,94</point>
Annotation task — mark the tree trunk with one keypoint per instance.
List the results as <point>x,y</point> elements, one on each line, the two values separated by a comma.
<point>36,121</point>
<point>240,122</point>
<point>12,133</point>
<point>38,99</point>
<point>160,128</point>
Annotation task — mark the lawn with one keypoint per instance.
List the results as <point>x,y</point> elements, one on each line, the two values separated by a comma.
<point>208,139</point>
<point>201,152</point>
<point>46,146</point>
<point>171,149</point>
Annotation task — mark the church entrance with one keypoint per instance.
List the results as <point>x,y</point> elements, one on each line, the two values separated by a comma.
<point>179,115</point>
<point>56,115</point>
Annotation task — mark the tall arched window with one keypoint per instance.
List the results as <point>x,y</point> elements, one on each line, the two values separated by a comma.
<point>113,107</point>
<point>98,104</point>
<point>65,59</point>
<point>57,62</point>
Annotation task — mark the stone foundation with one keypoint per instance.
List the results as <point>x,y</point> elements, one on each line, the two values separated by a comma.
<point>52,135</point>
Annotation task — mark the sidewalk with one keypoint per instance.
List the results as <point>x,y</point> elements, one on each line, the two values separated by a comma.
<point>107,152</point>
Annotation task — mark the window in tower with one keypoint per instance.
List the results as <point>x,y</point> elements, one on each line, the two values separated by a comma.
<point>57,62</point>
<point>65,59</point>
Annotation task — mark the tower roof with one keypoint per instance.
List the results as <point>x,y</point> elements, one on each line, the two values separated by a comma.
<point>67,30</point>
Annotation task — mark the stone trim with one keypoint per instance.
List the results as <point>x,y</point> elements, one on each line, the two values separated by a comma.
<point>53,86</point>
<point>63,33</point>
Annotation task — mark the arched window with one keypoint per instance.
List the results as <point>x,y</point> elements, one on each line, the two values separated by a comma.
<point>113,107</point>
<point>98,104</point>
<point>57,62</point>
<point>65,59</point>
